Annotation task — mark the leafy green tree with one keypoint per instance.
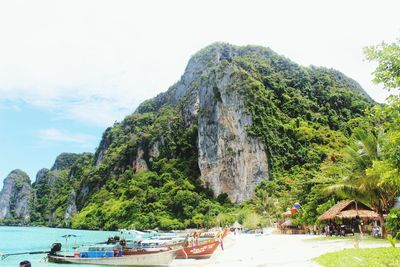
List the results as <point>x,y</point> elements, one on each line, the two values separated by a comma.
<point>198,219</point>
<point>265,203</point>
<point>393,221</point>
<point>252,220</point>
<point>367,176</point>
<point>388,58</point>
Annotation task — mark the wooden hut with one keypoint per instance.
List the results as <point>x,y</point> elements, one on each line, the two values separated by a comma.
<point>348,212</point>
<point>286,225</point>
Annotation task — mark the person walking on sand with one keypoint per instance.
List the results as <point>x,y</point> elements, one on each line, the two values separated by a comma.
<point>196,238</point>
<point>219,238</point>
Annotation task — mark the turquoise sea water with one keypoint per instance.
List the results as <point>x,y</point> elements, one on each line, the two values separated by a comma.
<point>21,239</point>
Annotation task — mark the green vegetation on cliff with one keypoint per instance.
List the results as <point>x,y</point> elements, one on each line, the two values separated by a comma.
<point>164,193</point>
<point>305,117</point>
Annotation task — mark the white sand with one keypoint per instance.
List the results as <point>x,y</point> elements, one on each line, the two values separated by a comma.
<point>270,250</point>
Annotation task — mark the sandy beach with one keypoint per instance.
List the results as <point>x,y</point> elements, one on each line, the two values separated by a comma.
<point>246,250</point>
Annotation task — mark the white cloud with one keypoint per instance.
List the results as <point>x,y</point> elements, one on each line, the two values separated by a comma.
<point>95,61</point>
<point>56,135</point>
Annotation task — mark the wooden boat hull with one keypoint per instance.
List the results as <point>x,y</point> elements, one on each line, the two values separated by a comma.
<point>202,251</point>
<point>146,251</point>
<point>144,259</point>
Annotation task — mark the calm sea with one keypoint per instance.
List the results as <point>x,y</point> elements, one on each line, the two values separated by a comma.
<point>21,239</point>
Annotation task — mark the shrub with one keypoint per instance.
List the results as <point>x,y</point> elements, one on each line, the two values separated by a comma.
<point>393,221</point>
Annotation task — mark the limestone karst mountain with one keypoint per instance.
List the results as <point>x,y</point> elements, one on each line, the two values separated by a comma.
<point>237,116</point>
<point>14,197</point>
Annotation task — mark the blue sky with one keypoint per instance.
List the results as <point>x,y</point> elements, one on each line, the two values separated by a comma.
<point>71,68</point>
<point>32,137</point>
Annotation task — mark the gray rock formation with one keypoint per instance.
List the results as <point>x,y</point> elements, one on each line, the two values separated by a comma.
<point>71,208</point>
<point>154,152</point>
<point>230,161</point>
<point>15,195</point>
<point>102,150</point>
<point>41,174</point>
<point>139,163</point>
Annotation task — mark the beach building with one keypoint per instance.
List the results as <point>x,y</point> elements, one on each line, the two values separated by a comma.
<point>345,217</point>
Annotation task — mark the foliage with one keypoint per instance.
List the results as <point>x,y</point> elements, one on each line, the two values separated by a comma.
<point>393,221</point>
<point>369,168</point>
<point>366,175</point>
<point>168,196</point>
<point>392,240</point>
<point>388,58</point>
<point>304,116</point>
<point>361,257</point>
<point>252,220</point>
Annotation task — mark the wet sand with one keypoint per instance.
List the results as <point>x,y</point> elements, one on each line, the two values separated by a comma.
<point>247,250</point>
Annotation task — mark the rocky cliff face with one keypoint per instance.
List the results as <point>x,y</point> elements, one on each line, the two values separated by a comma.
<point>54,198</point>
<point>14,197</point>
<point>230,161</point>
<point>71,208</point>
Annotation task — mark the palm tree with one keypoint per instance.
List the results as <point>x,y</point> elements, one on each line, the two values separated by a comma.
<point>367,175</point>
<point>266,205</point>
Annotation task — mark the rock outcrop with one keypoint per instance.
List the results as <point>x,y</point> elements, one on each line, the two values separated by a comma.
<point>71,208</point>
<point>64,161</point>
<point>14,197</point>
<point>230,161</point>
<point>139,164</point>
<point>40,175</point>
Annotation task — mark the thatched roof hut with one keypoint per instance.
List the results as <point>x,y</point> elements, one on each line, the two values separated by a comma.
<point>349,210</point>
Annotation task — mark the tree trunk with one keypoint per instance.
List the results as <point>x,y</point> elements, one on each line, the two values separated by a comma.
<point>382,222</point>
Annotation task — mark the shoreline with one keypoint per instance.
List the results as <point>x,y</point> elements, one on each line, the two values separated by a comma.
<point>241,250</point>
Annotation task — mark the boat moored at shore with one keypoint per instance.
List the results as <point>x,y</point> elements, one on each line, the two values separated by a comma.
<point>112,256</point>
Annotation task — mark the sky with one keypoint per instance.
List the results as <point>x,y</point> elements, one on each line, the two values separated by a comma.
<point>69,69</point>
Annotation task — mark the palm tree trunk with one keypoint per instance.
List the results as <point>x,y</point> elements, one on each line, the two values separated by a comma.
<point>382,223</point>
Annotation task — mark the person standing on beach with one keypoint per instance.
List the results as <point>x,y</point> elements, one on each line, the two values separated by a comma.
<point>219,238</point>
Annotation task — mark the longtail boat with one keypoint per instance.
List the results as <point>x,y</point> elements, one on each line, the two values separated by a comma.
<point>112,256</point>
<point>190,248</point>
<point>203,249</point>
